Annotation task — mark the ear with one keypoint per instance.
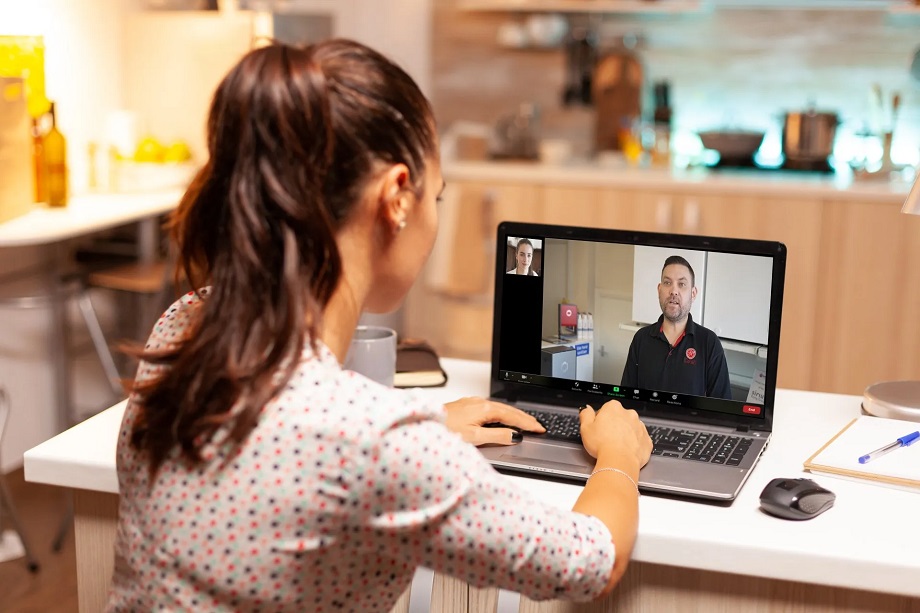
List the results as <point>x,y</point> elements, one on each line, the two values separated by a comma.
<point>693,292</point>
<point>395,198</point>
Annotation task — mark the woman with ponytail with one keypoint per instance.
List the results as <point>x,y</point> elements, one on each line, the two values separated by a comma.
<point>257,475</point>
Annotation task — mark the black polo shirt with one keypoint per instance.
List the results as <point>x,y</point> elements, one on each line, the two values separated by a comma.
<point>695,366</point>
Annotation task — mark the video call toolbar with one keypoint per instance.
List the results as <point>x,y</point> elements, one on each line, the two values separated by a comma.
<point>619,392</point>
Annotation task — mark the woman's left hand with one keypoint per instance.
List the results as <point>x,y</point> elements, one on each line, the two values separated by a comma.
<point>467,417</point>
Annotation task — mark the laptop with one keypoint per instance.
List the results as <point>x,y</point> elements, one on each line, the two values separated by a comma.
<point>587,328</point>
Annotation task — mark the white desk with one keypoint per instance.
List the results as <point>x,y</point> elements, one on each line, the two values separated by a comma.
<point>82,216</point>
<point>690,556</point>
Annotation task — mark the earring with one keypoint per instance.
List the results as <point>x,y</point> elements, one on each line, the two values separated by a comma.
<point>401,225</point>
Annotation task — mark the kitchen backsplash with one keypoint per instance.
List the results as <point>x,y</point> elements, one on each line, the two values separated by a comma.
<point>728,69</point>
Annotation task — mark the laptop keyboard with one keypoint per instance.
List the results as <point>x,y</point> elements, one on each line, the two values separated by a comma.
<point>559,426</point>
<point>700,446</point>
<point>668,442</point>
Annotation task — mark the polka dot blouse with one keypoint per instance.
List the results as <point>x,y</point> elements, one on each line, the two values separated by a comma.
<point>340,492</point>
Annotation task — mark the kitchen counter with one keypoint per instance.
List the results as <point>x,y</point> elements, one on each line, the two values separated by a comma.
<point>84,215</point>
<point>587,173</point>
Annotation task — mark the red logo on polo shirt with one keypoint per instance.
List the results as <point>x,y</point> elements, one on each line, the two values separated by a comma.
<point>691,353</point>
<point>751,409</point>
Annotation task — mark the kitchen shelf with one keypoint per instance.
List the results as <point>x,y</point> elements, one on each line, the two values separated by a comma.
<point>893,7</point>
<point>888,6</point>
<point>583,6</point>
<point>904,8</point>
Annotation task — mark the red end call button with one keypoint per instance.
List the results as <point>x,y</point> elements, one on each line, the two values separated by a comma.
<point>751,409</point>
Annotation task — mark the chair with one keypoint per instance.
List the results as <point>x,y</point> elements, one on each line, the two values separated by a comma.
<point>118,263</point>
<point>26,296</point>
<point>148,283</point>
<point>22,294</point>
<point>6,500</point>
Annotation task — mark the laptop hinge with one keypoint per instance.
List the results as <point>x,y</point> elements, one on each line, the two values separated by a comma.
<point>742,429</point>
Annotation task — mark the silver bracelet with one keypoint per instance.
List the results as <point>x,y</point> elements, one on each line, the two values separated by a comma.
<point>616,470</point>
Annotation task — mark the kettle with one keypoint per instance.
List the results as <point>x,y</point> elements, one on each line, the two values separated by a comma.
<point>517,135</point>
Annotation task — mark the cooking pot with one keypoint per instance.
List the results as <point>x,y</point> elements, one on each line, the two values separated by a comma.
<point>809,135</point>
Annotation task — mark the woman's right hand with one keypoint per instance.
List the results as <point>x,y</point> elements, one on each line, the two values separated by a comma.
<point>619,441</point>
<point>615,431</point>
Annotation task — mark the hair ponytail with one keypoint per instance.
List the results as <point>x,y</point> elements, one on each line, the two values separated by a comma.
<point>293,136</point>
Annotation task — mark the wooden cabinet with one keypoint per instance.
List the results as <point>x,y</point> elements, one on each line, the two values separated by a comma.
<point>451,302</point>
<point>634,209</point>
<point>657,587</point>
<point>569,206</point>
<point>448,595</point>
<point>867,297</point>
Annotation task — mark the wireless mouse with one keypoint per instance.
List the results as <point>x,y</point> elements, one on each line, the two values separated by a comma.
<point>795,498</point>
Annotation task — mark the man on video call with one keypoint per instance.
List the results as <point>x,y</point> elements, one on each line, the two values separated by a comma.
<point>676,354</point>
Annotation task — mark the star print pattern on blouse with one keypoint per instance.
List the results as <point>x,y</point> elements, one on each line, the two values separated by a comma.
<point>343,488</point>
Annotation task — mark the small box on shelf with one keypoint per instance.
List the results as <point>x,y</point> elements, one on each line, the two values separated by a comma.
<point>17,187</point>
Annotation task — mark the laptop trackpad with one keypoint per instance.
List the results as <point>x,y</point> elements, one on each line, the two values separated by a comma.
<point>548,455</point>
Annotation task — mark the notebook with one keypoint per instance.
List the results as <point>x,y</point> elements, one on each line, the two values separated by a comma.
<point>840,455</point>
<point>418,365</point>
<point>707,397</point>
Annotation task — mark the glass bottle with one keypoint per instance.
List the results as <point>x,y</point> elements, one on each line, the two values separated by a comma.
<point>55,154</point>
<point>38,162</point>
<point>661,149</point>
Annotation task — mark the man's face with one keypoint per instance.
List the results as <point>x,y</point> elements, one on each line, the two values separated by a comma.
<point>524,256</point>
<point>676,292</point>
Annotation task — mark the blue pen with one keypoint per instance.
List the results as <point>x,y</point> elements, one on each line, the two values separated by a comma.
<point>905,441</point>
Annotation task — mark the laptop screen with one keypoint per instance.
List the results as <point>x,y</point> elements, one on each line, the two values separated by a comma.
<point>668,324</point>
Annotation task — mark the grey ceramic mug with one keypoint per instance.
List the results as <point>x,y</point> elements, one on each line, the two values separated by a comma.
<point>373,353</point>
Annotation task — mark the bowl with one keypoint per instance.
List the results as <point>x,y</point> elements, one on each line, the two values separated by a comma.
<point>734,144</point>
<point>130,176</point>
<point>555,150</point>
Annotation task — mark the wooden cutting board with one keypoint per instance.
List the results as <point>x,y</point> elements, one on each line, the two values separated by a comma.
<point>617,92</point>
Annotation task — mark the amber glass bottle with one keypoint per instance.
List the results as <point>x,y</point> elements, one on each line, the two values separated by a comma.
<point>54,149</point>
<point>38,162</point>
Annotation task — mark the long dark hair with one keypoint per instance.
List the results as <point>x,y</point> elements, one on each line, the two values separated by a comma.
<point>294,134</point>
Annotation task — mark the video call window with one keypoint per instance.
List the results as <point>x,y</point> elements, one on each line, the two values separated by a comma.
<point>524,256</point>
<point>632,290</point>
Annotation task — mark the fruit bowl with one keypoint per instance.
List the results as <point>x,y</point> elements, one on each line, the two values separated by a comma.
<point>130,176</point>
